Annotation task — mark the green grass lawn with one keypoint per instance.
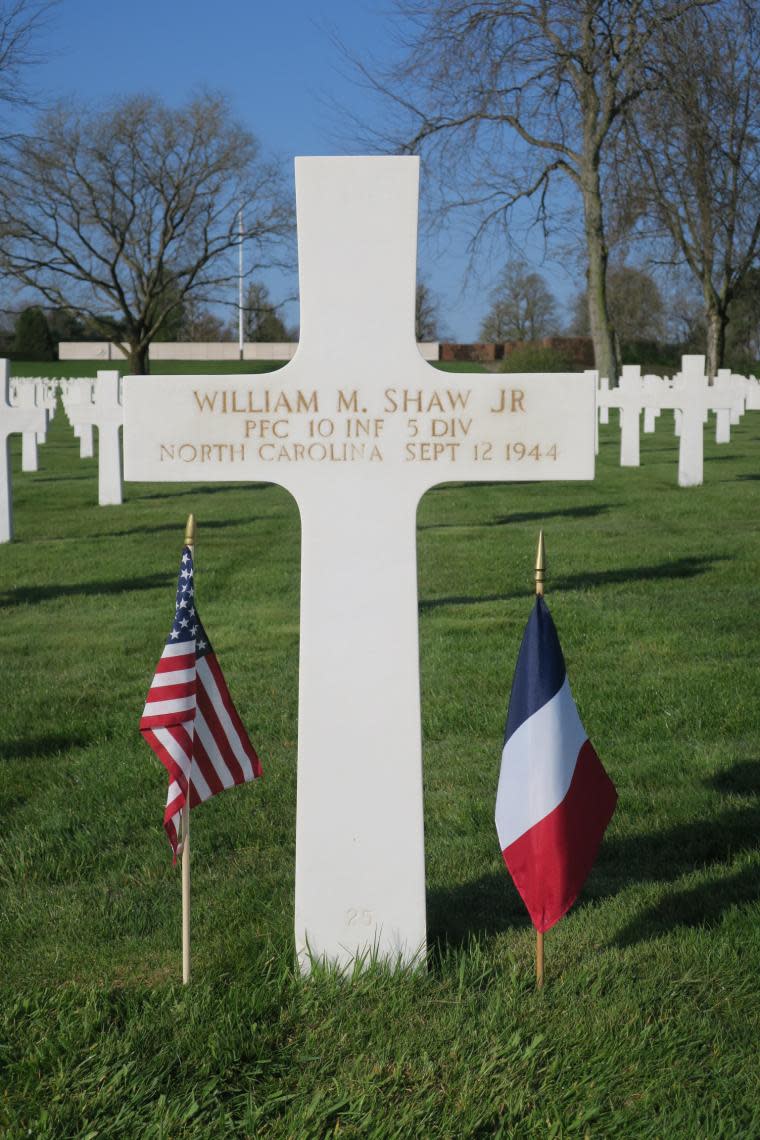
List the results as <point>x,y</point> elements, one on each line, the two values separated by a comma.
<point>648,1024</point>
<point>63,368</point>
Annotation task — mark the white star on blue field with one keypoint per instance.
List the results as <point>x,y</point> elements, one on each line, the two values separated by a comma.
<point>187,624</point>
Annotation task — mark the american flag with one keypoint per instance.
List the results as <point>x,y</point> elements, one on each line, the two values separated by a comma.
<point>189,719</point>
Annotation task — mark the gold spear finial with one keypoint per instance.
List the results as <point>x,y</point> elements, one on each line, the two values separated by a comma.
<point>540,565</point>
<point>190,532</point>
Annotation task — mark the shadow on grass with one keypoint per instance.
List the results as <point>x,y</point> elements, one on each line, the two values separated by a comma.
<point>484,906</point>
<point>50,745</point>
<point>749,478</point>
<point>741,780</point>
<point>679,568</point>
<point>662,856</point>
<point>22,595</point>
<point>59,478</point>
<point>198,490</point>
<point>588,512</point>
<point>489,904</point>
<point>666,855</point>
<point>211,524</point>
<point>698,906</point>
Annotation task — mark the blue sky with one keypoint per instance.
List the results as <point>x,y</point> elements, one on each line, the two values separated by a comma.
<point>285,80</point>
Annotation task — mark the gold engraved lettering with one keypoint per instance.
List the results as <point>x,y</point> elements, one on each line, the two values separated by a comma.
<point>204,452</point>
<point>430,452</point>
<point>535,451</point>
<point>322,428</point>
<point>418,400</point>
<point>263,428</point>
<point>483,451</point>
<point>356,427</point>
<point>250,402</point>
<point>449,427</point>
<point>319,452</point>
<point>511,400</point>
<point>205,400</point>
<point>348,403</point>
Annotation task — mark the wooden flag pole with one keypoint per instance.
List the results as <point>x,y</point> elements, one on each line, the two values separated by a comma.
<point>540,573</point>
<point>190,542</point>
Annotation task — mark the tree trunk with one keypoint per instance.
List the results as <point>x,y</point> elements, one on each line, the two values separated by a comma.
<point>137,360</point>
<point>596,246</point>
<point>717,319</point>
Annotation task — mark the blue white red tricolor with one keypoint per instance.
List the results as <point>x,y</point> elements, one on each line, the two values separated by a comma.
<point>189,719</point>
<point>554,799</point>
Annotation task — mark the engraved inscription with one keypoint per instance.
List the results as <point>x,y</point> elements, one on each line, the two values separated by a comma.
<point>447,425</point>
<point>359,916</point>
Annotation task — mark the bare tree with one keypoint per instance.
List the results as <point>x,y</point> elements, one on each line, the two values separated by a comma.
<point>262,322</point>
<point>693,160</point>
<point>21,21</point>
<point>131,210</point>
<point>635,303</point>
<point>522,306</point>
<point>427,317</point>
<point>506,97</point>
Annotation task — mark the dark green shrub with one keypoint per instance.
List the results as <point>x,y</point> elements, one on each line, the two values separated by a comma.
<point>533,358</point>
<point>33,339</point>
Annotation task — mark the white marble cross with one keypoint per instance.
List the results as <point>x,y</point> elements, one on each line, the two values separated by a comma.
<point>752,390</point>
<point>629,398</point>
<point>736,386</point>
<point>691,395</point>
<point>27,394</point>
<point>106,413</point>
<point>27,418</point>
<point>74,392</point>
<point>49,400</point>
<point>357,426</point>
<point>650,385</point>
<point>604,410</point>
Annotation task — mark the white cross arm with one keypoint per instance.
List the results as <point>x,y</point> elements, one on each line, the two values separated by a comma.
<point>301,430</point>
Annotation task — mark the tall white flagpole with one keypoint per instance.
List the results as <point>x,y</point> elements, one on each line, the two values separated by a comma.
<point>189,542</point>
<point>240,284</point>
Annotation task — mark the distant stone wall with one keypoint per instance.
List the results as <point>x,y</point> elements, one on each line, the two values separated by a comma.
<point>90,350</point>
<point>579,349</point>
<point>199,350</point>
<point>477,353</point>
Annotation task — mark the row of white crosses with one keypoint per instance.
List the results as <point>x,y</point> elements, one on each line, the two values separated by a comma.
<point>27,404</point>
<point>78,390</point>
<point>690,396</point>
<point>98,404</point>
<point>33,392</point>
<point>26,417</point>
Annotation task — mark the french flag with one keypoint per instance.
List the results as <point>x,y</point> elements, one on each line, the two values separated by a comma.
<point>554,799</point>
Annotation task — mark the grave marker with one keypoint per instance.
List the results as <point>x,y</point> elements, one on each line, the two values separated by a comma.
<point>650,385</point>
<point>628,397</point>
<point>13,419</point>
<point>74,392</point>
<point>357,426</point>
<point>27,395</point>
<point>106,413</point>
<point>692,397</point>
<point>726,382</point>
